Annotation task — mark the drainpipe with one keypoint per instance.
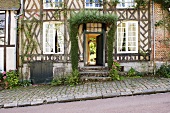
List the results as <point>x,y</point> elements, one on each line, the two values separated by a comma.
<point>16,37</point>
<point>154,37</point>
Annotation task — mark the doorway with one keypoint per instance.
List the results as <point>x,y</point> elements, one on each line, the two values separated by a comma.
<point>94,49</point>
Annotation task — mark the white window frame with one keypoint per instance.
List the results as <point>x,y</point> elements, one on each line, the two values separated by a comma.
<point>51,43</point>
<point>93,5</point>
<point>127,36</point>
<point>126,4</point>
<point>55,4</point>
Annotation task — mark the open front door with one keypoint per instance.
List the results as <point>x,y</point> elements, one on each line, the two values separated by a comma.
<point>99,51</point>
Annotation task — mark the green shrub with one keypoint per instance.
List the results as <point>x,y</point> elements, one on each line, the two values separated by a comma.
<point>25,83</point>
<point>140,74</point>
<point>164,71</point>
<point>114,71</point>
<point>73,79</point>
<point>11,79</point>
<point>132,72</point>
<point>1,76</point>
<point>58,81</point>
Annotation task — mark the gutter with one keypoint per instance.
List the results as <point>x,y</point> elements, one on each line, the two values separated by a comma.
<point>154,37</point>
<point>16,37</point>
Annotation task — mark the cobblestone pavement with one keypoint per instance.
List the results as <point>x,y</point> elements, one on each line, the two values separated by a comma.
<point>37,95</point>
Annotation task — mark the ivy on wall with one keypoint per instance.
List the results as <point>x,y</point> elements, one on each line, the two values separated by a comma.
<point>84,17</point>
<point>165,4</point>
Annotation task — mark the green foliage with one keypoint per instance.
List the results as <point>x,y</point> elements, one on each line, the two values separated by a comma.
<point>11,79</point>
<point>134,74</point>
<point>164,23</point>
<point>164,71</point>
<point>114,74</point>
<point>114,2</point>
<point>140,3</point>
<point>29,43</point>
<point>114,71</point>
<point>25,83</point>
<point>111,38</point>
<point>71,79</point>
<point>131,72</point>
<point>89,16</point>
<point>164,3</point>
<point>1,76</point>
<point>140,74</point>
<point>61,80</point>
<point>159,23</point>
<point>92,48</point>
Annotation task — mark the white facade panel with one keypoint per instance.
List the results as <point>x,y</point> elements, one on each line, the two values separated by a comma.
<point>10,59</point>
<point>1,59</point>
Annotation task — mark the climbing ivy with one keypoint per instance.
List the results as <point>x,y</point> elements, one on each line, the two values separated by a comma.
<point>165,22</point>
<point>88,16</point>
<point>165,4</point>
<point>30,43</point>
<point>141,3</point>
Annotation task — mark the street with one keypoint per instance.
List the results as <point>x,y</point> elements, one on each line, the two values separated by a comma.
<point>155,103</point>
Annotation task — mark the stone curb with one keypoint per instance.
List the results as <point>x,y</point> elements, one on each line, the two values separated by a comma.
<point>82,97</point>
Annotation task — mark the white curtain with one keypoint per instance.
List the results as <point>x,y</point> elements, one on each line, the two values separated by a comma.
<point>121,34</point>
<point>49,34</point>
<point>131,37</point>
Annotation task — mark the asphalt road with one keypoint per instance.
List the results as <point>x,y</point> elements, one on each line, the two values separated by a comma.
<point>155,103</point>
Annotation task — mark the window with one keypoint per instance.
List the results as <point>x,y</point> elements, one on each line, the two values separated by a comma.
<point>94,27</point>
<point>53,38</point>
<point>2,23</point>
<point>93,3</point>
<point>127,37</point>
<point>52,4</point>
<point>126,3</point>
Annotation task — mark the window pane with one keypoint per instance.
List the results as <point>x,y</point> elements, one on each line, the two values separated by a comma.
<point>2,24</point>
<point>48,37</point>
<point>58,3</point>
<point>93,3</point>
<point>88,3</point>
<point>131,44</point>
<point>127,37</point>
<point>126,3</point>
<point>51,4</point>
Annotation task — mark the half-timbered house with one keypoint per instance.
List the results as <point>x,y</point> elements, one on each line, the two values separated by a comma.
<point>8,34</point>
<point>44,43</point>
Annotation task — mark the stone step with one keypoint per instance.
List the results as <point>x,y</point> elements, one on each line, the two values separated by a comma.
<point>94,73</point>
<point>95,79</point>
<point>98,68</point>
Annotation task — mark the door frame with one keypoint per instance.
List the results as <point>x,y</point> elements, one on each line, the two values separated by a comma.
<point>85,48</point>
<point>103,33</point>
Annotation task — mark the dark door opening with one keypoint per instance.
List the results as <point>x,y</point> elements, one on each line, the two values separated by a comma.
<point>99,50</point>
<point>41,72</point>
<point>94,50</point>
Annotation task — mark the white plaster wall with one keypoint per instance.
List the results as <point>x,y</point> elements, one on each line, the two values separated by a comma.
<point>13,29</point>
<point>10,61</point>
<point>1,59</point>
<point>11,53</point>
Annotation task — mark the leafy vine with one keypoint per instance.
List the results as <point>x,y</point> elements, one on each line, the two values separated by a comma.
<point>87,16</point>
